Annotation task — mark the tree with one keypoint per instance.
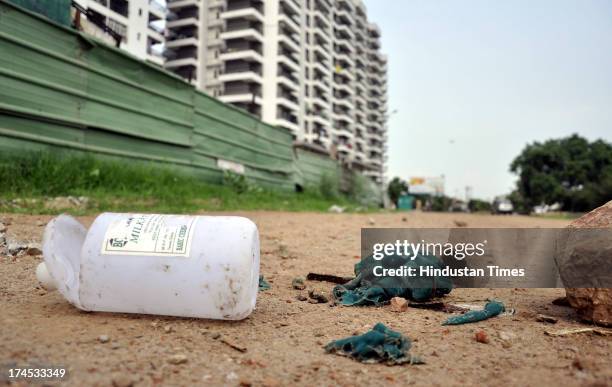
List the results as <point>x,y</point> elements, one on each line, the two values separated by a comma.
<point>571,171</point>
<point>395,189</point>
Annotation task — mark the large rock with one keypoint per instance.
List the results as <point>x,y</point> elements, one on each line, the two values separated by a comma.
<point>592,304</point>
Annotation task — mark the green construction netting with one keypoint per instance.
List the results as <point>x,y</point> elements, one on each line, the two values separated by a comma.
<point>379,345</point>
<point>56,10</point>
<point>369,289</point>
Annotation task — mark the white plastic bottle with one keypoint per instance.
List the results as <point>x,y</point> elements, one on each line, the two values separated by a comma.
<point>190,266</point>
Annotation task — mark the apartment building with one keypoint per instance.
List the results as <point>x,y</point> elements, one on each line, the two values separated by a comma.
<point>137,25</point>
<point>312,66</point>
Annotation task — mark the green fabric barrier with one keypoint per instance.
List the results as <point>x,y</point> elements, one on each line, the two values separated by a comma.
<point>379,345</point>
<point>491,309</point>
<point>368,289</point>
<point>56,10</point>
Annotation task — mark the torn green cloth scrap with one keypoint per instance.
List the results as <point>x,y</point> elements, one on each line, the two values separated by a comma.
<point>263,284</point>
<point>369,289</point>
<point>378,345</point>
<point>491,309</point>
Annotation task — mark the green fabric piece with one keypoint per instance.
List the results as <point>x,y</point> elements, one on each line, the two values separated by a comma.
<point>378,345</point>
<point>491,309</point>
<point>368,289</point>
<point>263,284</point>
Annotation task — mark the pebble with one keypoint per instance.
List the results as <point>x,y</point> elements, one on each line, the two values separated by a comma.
<point>103,339</point>
<point>33,249</point>
<point>317,297</point>
<point>177,359</point>
<point>2,228</point>
<point>168,329</point>
<point>399,304</point>
<point>40,223</point>
<point>301,297</point>
<point>298,283</point>
<point>481,337</point>
<point>371,221</point>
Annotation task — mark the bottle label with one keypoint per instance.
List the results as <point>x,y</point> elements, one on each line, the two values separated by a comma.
<point>150,234</point>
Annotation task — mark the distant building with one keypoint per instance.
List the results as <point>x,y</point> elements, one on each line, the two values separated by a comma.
<point>311,66</point>
<point>138,23</point>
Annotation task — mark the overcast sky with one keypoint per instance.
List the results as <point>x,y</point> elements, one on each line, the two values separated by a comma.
<point>475,80</point>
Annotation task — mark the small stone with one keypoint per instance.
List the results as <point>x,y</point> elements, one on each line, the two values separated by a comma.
<point>404,219</point>
<point>317,296</point>
<point>371,221</point>
<point>231,376</point>
<point>460,223</point>
<point>33,249</point>
<point>546,319</point>
<point>2,228</point>
<point>298,283</point>
<point>168,329</point>
<point>399,304</point>
<point>301,297</point>
<point>122,381</point>
<point>481,337</point>
<point>115,345</point>
<point>177,359</point>
<point>103,339</point>
<point>40,223</point>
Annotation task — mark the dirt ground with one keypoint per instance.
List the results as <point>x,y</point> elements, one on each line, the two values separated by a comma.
<point>284,337</point>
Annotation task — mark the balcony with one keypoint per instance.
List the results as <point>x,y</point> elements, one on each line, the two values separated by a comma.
<point>175,5</point>
<point>343,17</point>
<point>247,51</point>
<point>321,54</point>
<point>243,30</point>
<point>287,43</point>
<point>247,13</point>
<point>235,5</point>
<point>175,43</point>
<point>321,38</point>
<point>181,62</point>
<point>156,11</point>
<point>373,30</point>
<point>289,8</point>
<point>342,32</point>
<point>241,92</point>
<point>288,59</point>
<point>289,23</point>
<point>241,70</point>
<point>190,21</point>
<point>288,120</point>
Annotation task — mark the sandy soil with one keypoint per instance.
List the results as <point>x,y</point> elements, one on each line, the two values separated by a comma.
<point>284,337</point>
